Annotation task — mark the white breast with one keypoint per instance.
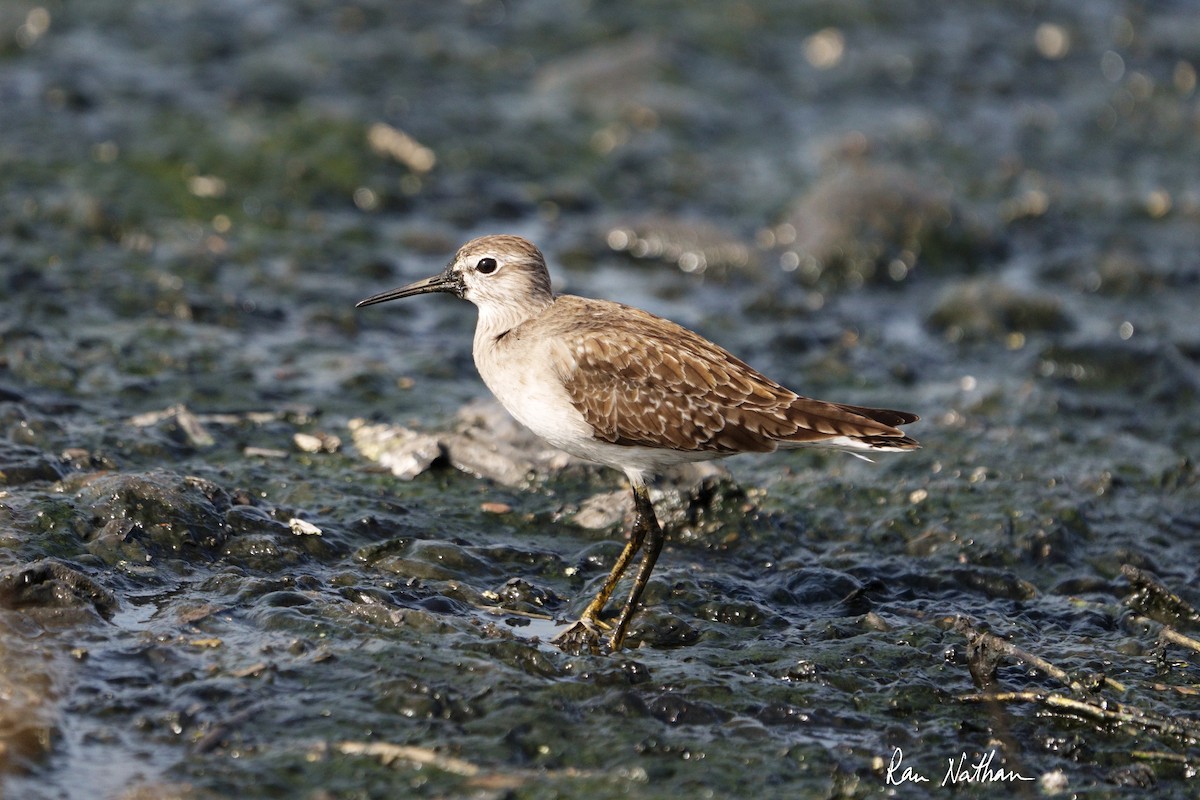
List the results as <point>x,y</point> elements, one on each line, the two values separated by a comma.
<point>525,378</point>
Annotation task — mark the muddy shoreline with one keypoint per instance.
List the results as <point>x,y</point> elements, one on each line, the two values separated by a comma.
<point>213,583</point>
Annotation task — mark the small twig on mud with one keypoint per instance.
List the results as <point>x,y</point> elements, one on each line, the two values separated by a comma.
<point>387,753</point>
<point>976,636</point>
<point>1190,691</point>
<point>1170,634</point>
<point>1108,712</point>
<point>501,611</point>
<point>1153,599</point>
<point>1158,755</point>
<point>1149,597</point>
<point>478,776</point>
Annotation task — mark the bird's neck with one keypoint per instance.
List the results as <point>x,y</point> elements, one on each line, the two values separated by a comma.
<point>497,319</point>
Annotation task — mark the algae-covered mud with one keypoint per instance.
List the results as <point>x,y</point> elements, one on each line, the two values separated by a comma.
<point>255,543</point>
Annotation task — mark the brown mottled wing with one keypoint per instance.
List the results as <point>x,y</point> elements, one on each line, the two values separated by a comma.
<point>641,380</point>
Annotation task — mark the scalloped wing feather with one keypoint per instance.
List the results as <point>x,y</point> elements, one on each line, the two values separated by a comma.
<point>641,380</point>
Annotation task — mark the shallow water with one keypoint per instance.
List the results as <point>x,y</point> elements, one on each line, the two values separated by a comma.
<point>986,214</point>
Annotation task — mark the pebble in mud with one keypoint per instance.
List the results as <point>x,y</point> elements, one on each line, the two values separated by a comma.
<point>403,451</point>
<point>484,442</point>
<point>319,442</point>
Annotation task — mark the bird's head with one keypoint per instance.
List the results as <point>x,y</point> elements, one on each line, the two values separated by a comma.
<point>496,273</point>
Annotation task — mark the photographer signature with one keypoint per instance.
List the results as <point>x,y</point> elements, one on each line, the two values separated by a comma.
<point>958,771</point>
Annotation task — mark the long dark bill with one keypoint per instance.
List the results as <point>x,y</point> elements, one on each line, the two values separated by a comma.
<point>442,282</point>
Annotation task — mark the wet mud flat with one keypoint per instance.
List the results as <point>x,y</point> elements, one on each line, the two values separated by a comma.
<point>255,543</point>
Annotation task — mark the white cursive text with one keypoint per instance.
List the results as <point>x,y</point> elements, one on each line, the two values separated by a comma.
<point>979,771</point>
<point>958,771</point>
<point>892,779</point>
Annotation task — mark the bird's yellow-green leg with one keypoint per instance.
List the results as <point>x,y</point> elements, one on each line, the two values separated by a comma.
<point>591,614</point>
<point>586,632</point>
<point>652,533</point>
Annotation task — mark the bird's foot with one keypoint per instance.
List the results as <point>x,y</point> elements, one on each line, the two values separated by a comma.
<point>588,635</point>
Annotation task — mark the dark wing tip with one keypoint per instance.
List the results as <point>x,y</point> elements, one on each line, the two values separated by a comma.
<point>884,416</point>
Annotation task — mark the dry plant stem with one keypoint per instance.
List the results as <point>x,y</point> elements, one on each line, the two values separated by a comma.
<point>501,611</point>
<point>1175,637</point>
<point>1087,705</point>
<point>1189,691</point>
<point>388,753</point>
<point>1110,712</point>
<point>1170,634</point>
<point>1158,755</point>
<point>1152,598</point>
<point>967,628</point>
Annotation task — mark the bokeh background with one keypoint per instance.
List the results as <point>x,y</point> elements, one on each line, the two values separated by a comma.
<point>210,585</point>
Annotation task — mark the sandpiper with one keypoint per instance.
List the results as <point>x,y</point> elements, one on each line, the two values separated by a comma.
<point>616,385</point>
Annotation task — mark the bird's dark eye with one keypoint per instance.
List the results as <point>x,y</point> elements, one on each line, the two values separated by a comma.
<point>486,265</point>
